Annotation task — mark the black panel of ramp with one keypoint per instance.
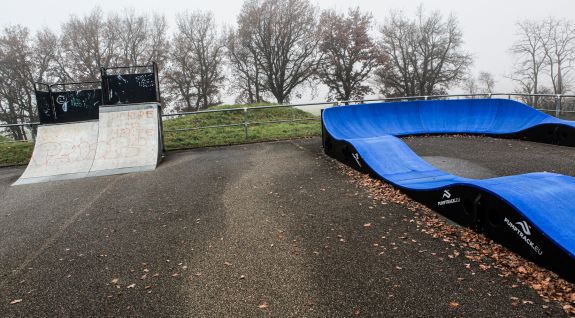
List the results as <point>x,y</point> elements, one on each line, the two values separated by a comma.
<point>73,106</point>
<point>44,103</point>
<point>68,102</point>
<point>130,85</point>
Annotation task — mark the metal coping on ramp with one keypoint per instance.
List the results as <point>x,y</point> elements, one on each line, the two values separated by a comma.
<point>126,138</point>
<point>531,213</point>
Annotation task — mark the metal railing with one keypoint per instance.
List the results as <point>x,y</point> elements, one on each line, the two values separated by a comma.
<point>245,121</point>
<point>26,133</point>
<point>557,105</point>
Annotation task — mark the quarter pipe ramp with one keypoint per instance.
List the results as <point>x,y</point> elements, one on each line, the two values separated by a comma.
<point>126,138</point>
<point>531,213</point>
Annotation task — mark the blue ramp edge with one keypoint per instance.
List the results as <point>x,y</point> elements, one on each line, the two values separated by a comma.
<point>530,213</point>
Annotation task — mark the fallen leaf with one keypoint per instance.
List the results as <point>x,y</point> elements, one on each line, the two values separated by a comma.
<point>15,301</point>
<point>521,270</point>
<point>454,304</point>
<point>131,286</point>
<point>115,280</point>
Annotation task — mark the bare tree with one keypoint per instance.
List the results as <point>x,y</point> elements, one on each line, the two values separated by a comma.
<point>424,56</point>
<point>486,83</point>
<point>247,76</point>
<point>284,38</point>
<point>349,53</point>
<point>181,74</point>
<point>558,41</point>
<point>19,66</point>
<point>45,56</point>
<point>158,45</point>
<point>142,39</point>
<point>197,59</point>
<point>88,43</point>
<point>469,85</point>
<point>530,59</point>
<point>98,40</point>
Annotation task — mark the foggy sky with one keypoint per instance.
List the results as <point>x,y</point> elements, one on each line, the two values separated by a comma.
<point>488,25</point>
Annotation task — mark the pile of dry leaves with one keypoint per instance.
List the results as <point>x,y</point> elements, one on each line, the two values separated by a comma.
<point>479,249</point>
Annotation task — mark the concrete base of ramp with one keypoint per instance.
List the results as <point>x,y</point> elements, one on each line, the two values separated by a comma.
<point>125,139</point>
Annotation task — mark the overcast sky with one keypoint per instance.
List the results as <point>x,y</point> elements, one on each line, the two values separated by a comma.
<point>488,25</point>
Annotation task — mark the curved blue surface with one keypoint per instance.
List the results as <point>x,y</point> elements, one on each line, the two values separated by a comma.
<point>545,199</point>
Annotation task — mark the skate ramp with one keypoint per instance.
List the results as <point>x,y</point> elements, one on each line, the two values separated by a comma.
<point>129,139</point>
<point>62,151</point>
<point>126,139</point>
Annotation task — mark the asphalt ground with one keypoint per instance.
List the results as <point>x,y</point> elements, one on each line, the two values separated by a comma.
<point>485,157</point>
<point>270,229</point>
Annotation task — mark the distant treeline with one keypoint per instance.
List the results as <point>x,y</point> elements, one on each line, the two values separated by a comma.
<point>275,50</point>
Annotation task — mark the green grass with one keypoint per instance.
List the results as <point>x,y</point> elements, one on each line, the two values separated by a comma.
<point>19,153</point>
<point>237,135</point>
<point>15,153</point>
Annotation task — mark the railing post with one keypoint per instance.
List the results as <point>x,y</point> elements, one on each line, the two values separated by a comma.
<point>557,105</point>
<point>32,132</point>
<point>293,112</point>
<point>246,123</point>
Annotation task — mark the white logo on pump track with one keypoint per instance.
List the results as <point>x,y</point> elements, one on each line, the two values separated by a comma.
<point>524,231</point>
<point>524,227</point>
<point>356,158</point>
<point>447,200</point>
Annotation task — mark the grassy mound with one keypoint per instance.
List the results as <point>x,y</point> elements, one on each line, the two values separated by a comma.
<point>260,127</point>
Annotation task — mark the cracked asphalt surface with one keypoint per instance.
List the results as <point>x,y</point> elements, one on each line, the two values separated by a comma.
<point>219,232</point>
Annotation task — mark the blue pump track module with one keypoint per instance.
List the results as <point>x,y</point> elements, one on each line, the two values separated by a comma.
<point>532,214</point>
